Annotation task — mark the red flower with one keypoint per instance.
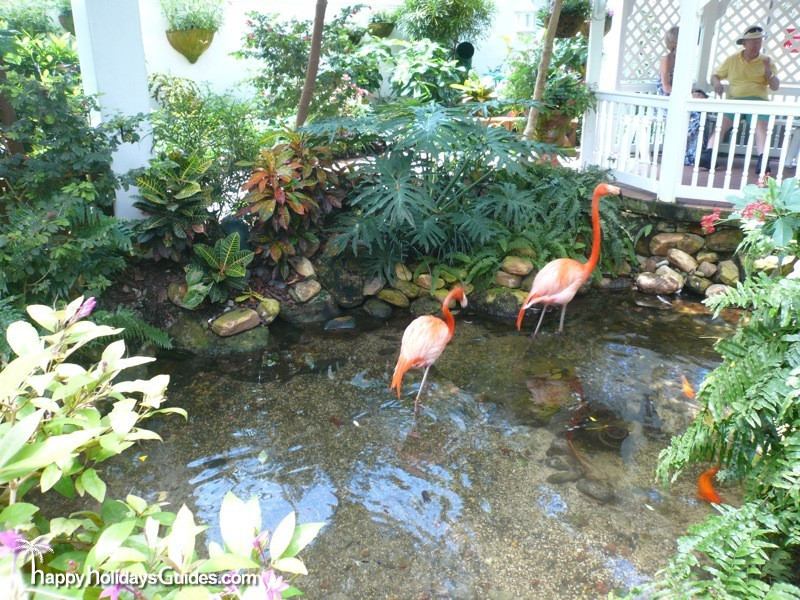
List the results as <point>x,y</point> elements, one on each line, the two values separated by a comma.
<point>756,210</point>
<point>707,222</point>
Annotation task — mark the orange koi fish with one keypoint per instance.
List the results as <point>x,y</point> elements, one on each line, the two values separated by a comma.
<point>705,486</point>
<point>687,387</point>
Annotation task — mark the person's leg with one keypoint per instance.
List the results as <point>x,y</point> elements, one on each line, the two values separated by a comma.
<point>761,142</point>
<point>705,155</point>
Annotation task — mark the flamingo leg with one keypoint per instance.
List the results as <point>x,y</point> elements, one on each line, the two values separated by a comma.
<point>536,331</point>
<point>563,312</point>
<point>421,385</point>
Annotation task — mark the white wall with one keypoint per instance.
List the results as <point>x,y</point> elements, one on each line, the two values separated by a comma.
<point>223,72</point>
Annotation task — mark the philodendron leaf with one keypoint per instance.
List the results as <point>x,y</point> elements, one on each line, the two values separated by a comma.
<point>239,523</point>
<point>94,486</point>
<point>111,539</point>
<point>291,565</point>
<point>303,534</point>
<point>19,434</point>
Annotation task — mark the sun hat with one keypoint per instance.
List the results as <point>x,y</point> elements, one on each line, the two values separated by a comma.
<point>752,33</point>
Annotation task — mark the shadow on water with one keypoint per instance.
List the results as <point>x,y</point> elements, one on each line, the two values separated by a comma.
<point>489,499</point>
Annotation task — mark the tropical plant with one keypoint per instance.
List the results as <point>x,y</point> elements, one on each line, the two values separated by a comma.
<point>217,271</point>
<point>446,22</point>
<point>424,71</point>
<point>193,14</point>
<point>293,186</point>
<point>219,128</point>
<point>435,191</point>
<point>384,16</point>
<point>475,89</point>
<point>58,421</point>
<point>175,203</point>
<point>349,71</point>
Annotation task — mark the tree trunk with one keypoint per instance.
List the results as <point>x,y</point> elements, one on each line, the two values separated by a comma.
<point>544,65</point>
<point>313,63</point>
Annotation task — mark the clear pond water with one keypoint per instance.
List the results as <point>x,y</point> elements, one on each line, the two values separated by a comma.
<point>466,502</point>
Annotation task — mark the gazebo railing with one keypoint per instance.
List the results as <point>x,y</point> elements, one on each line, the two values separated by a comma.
<point>629,138</point>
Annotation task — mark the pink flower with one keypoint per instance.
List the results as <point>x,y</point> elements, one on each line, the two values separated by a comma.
<point>756,210</point>
<point>86,308</point>
<point>10,542</point>
<point>707,222</point>
<point>112,591</point>
<point>274,585</point>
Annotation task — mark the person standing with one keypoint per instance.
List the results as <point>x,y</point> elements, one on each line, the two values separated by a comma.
<point>749,73</point>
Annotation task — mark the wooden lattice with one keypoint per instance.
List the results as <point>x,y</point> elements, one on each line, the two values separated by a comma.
<point>643,39</point>
<point>781,22</point>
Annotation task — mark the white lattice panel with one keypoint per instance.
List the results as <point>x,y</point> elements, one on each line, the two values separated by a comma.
<point>781,22</point>
<point>643,40</point>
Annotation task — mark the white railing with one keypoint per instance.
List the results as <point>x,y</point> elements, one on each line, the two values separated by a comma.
<point>630,139</point>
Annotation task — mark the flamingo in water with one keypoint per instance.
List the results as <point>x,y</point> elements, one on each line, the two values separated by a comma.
<point>423,342</point>
<point>559,279</point>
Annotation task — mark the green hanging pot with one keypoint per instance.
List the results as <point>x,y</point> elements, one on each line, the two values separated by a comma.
<point>190,42</point>
<point>67,22</point>
<point>381,29</point>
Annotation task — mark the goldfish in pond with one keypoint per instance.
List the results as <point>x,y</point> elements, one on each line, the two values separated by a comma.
<point>687,387</point>
<point>705,486</point>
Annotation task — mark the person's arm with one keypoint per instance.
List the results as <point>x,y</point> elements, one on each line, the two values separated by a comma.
<point>772,80</point>
<point>665,72</point>
<point>720,73</point>
<point>717,84</point>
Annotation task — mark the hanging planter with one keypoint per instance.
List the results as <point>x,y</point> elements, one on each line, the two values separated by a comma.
<point>381,29</point>
<point>190,42</point>
<point>569,24</point>
<point>67,22</point>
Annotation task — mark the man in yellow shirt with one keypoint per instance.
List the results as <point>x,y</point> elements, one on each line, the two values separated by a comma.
<point>748,73</point>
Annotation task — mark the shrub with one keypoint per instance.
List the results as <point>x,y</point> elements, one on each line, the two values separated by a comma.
<point>175,203</point>
<point>218,128</point>
<point>446,22</point>
<point>58,421</point>
<point>348,71</point>
<point>424,71</point>
<point>217,271</point>
<point>27,16</point>
<point>292,188</point>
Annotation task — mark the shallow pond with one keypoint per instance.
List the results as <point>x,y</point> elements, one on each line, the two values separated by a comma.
<point>465,502</point>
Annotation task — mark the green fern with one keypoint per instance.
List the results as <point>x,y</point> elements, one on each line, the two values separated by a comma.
<point>134,328</point>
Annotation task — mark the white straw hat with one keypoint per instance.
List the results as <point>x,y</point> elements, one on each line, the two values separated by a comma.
<point>755,32</point>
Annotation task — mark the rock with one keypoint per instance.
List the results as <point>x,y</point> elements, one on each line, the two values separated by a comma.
<point>769,264</point>
<point>516,265</point>
<point>724,240</point>
<point>698,285</point>
<point>393,297</point>
<point>615,284</point>
<point>728,273</point>
<point>467,287</point>
<point>624,268</point>
<point>343,279</point>
<point>448,277</point>
<point>373,286</point>
<point>425,280</point>
<point>715,290</point>
<point>319,309</point>
<point>189,335</point>
<point>507,279</point>
<point>564,477</point>
<point>652,263</point>
<point>650,283</point>
<point>665,271</point>
<point>527,281</point>
<point>402,272</point>
<point>440,296</point>
<point>652,302</point>
<point>706,269</point>
<point>425,306</point>
<point>707,256</point>
<point>558,447</point>
<point>498,302</point>
<point>688,242</point>
<point>302,266</point>
<point>556,463</point>
<point>598,491</point>
<point>340,323</point>
<point>642,246</point>
<point>176,292</point>
<point>268,310</point>
<point>305,290</point>
<point>377,309</point>
<point>408,289</point>
<point>235,321</point>
<point>665,226</point>
<point>681,260</point>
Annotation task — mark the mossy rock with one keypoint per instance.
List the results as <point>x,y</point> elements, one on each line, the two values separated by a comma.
<point>498,302</point>
<point>189,334</point>
<point>320,309</point>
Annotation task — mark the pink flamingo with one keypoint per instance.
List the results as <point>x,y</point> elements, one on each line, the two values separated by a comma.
<point>423,342</point>
<point>558,281</point>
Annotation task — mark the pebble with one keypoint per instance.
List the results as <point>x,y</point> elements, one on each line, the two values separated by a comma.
<point>598,491</point>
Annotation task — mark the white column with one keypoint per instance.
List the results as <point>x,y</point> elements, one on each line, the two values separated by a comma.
<point>593,65</point>
<point>677,116</point>
<point>109,35</point>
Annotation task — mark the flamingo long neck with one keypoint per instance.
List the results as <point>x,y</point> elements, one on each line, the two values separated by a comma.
<point>595,255</point>
<point>448,316</point>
